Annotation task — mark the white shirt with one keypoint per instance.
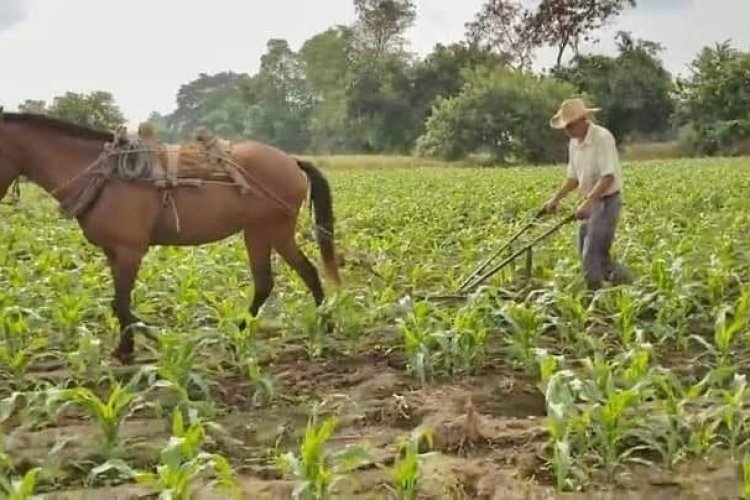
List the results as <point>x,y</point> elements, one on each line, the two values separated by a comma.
<point>594,157</point>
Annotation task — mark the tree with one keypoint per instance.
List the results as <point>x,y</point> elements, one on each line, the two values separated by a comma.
<point>634,89</point>
<point>565,24</point>
<point>33,106</point>
<point>501,26</point>
<point>327,64</point>
<point>714,106</point>
<point>442,74</point>
<point>502,112</point>
<point>280,102</point>
<point>96,109</point>
<point>326,59</point>
<point>215,101</point>
<point>381,24</point>
<point>380,117</point>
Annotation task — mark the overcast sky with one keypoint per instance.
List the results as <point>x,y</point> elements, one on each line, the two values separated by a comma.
<point>143,50</point>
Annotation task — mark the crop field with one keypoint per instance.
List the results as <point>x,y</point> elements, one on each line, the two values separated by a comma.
<point>530,387</point>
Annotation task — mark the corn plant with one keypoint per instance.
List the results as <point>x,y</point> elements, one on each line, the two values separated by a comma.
<point>244,350</point>
<point>312,324</point>
<point>406,474</point>
<point>561,423</point>
<point>669,430</point>
<point>182,462</point>
<point>109,413</point>
<point>571,319</point>
<point>176,369</point>
<point>731,322</point>
<point>22,488</point>
<point>732,416</point>
<point>86,360</point>
<point>526,326</point>
<point>316,471</point>
<point>416,334</point>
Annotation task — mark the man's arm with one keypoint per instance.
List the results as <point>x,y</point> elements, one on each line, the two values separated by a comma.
<point>567,187</point>
<point>601,187</point>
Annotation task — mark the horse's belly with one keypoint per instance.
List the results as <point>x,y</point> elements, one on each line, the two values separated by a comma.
<point>196,224</point>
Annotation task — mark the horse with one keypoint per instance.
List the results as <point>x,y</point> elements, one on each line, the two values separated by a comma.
<point>129,217</point>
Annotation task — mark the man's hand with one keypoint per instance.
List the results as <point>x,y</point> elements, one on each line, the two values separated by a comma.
<point>584,209</point>
<point>552,205</point>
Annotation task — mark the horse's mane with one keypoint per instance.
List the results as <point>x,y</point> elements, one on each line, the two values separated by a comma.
<point>60,125</point>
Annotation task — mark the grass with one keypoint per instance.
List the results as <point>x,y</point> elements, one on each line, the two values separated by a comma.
<point>651,373</point>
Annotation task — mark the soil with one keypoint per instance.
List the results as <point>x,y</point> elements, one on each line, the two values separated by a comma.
<point>488,437</point>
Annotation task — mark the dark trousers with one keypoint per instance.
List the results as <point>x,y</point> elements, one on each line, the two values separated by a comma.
<point>595,237</point>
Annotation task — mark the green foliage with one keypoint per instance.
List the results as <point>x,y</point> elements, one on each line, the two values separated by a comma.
<point>109,413</point>
<point>214,101</point>
<point>97,109</point>
<point>619,369</point>
<point>502,112</point>
<point>316,470</point>
<point>633,89</point>
<point>406,471</point>
<point>715,102</point>
<point>381,25</point>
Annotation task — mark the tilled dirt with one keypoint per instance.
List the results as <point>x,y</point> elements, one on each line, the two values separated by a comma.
<point>488,434</point>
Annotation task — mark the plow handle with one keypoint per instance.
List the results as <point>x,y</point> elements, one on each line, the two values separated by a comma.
<point>486,262</point>
<point>473,283</point>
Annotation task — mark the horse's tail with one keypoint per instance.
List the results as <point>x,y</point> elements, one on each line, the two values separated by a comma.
<point>322,202</point>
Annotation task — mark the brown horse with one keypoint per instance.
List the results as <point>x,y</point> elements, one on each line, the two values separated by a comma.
<point>128,217</point>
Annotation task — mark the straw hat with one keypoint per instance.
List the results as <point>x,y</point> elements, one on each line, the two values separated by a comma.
<point>570,111</point>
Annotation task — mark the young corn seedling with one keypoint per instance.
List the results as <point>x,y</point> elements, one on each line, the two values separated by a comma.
<point>109,414</point>
<point>175,370</point>
<point>562,417</point>
<point>69,310</point>
<point>19,488</point>
<point>526,325</point>
<point>86,360</point>
<point>316,471</point>
<point>417,335</point>
<point>312,324</point>
<point>406,475</point>
<point>671,430</point>
<point>572,317</point>
<point>613,415</point>
<point>733,417</point>
<point>471,331</point>
<point>731,323</point>
<point>19,347</point>
<point>347,313</point>
<point>182,463</point>
<point>245,350</point>
<point>623,307</point>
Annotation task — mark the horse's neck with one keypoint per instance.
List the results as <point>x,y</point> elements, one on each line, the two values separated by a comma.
<point>59,163</point>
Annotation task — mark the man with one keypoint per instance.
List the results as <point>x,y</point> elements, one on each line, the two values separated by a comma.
<point>594,169</point>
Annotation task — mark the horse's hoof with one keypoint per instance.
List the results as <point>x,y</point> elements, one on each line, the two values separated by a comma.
<point>126,358</point>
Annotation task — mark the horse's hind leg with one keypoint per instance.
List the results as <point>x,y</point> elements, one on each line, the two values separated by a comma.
<point>293,255</point>
<point>259,252</point>
<point>124,264</point>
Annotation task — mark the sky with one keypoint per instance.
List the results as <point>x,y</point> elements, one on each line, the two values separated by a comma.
<point>143,50</point>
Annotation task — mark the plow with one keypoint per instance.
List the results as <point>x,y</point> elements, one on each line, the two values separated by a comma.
<point>490,266</point>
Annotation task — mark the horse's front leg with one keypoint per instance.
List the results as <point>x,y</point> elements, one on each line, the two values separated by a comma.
<point>124,264</point>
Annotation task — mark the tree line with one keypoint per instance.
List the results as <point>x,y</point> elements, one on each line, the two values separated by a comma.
<point>357,89</point>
